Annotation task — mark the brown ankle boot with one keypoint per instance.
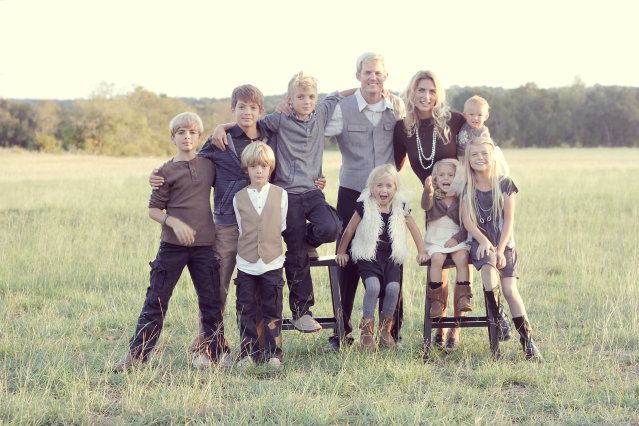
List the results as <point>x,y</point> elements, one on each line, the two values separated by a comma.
<point>463,294</point>
<point>366,339</point>
<point>385,327</point>
<point>437,302</point>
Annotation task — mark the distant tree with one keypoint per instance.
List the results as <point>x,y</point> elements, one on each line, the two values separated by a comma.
<point>17,124</point>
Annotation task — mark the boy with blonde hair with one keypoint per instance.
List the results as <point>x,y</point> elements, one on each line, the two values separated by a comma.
<point>182,208</point>
<point>260,210</point>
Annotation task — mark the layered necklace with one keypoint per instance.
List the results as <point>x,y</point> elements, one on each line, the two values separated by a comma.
<point>485,215</point>
<point>420,151</point>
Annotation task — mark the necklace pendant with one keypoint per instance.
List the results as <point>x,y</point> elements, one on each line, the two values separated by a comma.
<point>481,219</point>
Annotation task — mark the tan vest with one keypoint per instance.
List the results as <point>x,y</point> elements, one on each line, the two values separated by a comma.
<point>261,234</point>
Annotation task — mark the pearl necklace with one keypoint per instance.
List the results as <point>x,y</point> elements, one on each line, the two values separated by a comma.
<point>420,150</point>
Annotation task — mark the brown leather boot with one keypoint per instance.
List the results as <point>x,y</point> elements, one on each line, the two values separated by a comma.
<point>385,327</point>
<point>366,338</point>
<point>436,297</point>
<point>463,294</point>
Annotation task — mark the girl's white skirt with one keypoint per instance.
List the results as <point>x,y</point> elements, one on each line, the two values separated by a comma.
<point>438,232</point>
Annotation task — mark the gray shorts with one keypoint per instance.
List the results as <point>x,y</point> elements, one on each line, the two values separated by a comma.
<point>510,270</point>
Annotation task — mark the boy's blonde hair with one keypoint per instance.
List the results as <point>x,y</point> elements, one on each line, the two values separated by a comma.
<point>247,93</point>
<point>477,100</point>
<point>441,111</point>
<point>186,120</point>
<point>302,81</point>
<point>258,153</point>
<point>369,57</point>
<point>379,172</point>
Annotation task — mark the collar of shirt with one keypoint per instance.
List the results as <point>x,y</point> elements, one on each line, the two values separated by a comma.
<point>258,198</point>
<point>237,133</point>
<point>294,115</point>
<point>263,191</point>
<point>361,102</point>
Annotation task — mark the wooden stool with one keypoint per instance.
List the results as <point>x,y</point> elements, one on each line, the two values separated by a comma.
<point>489,320</point>
<point>336,322</point>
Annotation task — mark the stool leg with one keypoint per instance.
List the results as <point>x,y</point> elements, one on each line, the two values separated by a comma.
<point>333,277</point>
<point>428,322</point>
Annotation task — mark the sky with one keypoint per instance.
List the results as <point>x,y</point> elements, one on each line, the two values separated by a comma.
<point>65,49</point>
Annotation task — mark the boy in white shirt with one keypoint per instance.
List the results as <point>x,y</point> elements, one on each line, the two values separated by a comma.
<point>261,210</point>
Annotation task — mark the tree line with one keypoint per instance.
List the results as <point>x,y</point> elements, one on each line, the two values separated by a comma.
<point>136,123</point>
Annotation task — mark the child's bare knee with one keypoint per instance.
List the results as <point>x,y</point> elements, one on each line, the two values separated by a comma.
<point>437,260</point>
<point>489,277</point>
<point>460,258</point>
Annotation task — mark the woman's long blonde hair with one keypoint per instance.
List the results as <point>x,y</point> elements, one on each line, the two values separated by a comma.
<point>441,110</point>
<point>497,170</point>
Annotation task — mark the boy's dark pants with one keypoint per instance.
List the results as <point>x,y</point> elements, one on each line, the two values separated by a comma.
<point>165,273</point>
<point>265,290</point>
<point>323,227</point>
<point>349,275</point>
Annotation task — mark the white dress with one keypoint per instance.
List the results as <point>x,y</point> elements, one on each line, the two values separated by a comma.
<point>438,232</point>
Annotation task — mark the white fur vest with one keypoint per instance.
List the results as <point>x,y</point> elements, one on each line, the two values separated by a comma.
<point>364,244</point>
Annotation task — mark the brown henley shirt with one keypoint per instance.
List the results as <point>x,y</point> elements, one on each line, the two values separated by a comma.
<point>186,195</point>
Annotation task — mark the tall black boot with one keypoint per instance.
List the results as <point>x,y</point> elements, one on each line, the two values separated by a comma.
<point>525,332</point>
<point>503,327</point>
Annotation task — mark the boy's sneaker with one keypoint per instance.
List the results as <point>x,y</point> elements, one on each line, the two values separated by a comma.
<point>201,361</point>
<point>274,363</point>
<point>306,324</point>
<point>127,363</point>
<point>225,361</point>
<point>245,363</point>
<point>312,252</point>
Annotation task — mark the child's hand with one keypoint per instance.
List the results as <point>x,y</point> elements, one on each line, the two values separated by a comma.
<point>501,259</point>
<point>451,243</point>
<point>484,249</point>
<point>320,183</point>
<point>184,233</point>
<point>219,138</point>
<point>422,258</point>
<point>341,259</point>
<point>452,192</point>
<point>154,180</point>
<point>284,107</point>
<point>428,185</point>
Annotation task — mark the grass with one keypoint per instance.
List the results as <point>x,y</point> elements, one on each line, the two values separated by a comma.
<point>74,248</point>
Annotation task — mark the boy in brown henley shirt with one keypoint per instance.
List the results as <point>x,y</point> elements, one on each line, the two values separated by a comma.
<point>188,235</point>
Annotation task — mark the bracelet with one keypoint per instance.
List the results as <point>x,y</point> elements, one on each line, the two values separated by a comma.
<point>165,218</point>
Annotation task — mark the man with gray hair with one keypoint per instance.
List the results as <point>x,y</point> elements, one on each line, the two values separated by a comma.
<point>363,125</point>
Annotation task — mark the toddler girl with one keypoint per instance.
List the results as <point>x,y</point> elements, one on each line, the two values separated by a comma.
<point>378,230</point>
<point>445,237</point>
<point>488,213</point>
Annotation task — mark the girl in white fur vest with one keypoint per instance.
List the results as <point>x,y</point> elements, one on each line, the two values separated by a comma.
<point>378,230</point>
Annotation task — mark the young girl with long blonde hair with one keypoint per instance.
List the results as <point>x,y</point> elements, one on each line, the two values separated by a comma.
<point>488,214</point>
<point>378,231</point>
